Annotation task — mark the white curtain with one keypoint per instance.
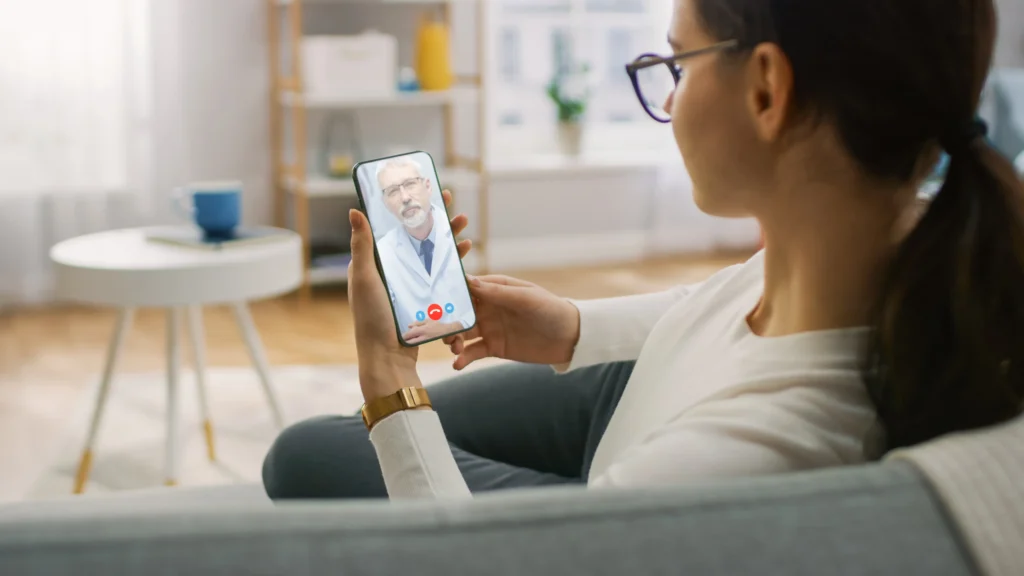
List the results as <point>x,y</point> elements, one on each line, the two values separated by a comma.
<point>77,136</point>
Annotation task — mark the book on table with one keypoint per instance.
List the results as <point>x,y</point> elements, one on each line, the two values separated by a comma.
<point>193,237</point>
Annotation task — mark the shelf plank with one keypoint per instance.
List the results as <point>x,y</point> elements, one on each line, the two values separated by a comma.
<point>322,187</point>
<point>328,275</point>
<point>393,100</point>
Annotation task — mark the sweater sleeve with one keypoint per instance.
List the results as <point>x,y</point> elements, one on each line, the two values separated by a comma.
<point>615,329</point>
<point>414,457</point>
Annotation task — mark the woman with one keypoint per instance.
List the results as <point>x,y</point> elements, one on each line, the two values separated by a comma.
<point>845,337</point>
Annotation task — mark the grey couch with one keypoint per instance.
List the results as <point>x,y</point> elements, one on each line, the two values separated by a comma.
<point>875,520</point>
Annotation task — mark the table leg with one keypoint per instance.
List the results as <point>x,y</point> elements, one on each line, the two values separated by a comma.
<point>198,341</point>
<point>259,359</point>
<point>124,323</point>
<point>173,365</point>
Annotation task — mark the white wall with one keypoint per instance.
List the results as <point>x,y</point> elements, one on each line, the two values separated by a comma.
<point>611,216</point>
<point>225,86</point>
<point>224,68</point>
<point>1010,46</point>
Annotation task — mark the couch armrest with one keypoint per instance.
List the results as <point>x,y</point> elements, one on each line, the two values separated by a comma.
<point>879,520</point>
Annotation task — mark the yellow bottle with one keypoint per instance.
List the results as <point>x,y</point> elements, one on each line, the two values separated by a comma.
<point>433,64</point>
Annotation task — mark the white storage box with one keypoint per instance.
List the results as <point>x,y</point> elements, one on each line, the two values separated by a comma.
<point>362,66</point>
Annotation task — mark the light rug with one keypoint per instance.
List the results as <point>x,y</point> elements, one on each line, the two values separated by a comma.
<point>129,452</point>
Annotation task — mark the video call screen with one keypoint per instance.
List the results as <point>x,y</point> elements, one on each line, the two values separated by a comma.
<point>417,249</point>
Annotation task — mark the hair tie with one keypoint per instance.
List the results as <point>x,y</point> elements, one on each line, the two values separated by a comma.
<point>961,140</point>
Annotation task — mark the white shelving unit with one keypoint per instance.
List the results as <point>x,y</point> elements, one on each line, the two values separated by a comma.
<point>295,185</point>
<point>395,100</point>
<point>322,187</point>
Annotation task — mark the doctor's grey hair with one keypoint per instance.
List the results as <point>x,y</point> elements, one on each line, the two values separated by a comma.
<point>399,162</point>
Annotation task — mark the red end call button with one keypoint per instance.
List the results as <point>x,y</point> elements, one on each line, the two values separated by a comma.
<point>434,311</point>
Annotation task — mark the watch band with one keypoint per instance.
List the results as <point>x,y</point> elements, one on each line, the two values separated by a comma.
<point>405,399</point>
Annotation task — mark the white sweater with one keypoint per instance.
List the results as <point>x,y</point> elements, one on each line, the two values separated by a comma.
<point>707,397</point>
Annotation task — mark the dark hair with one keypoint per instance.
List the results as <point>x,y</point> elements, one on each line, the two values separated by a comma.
<point>899,79</point>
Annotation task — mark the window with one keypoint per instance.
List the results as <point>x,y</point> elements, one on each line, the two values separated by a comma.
<point>620,52</point>
<point>561,43</point>
<point>531,41</point>
<point>511,55</point>
<point>69,104</point>
<point>538,7</point>
<point>617,6</point>
<point>511,118</point>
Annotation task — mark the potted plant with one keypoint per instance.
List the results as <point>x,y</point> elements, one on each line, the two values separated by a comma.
<point>569,92</point>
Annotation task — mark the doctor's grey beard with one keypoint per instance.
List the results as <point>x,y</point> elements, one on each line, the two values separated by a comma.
<point>417,220</point>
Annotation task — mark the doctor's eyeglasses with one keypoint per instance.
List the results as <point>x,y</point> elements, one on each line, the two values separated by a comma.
<point>654,77</point>
<point>406,185</point>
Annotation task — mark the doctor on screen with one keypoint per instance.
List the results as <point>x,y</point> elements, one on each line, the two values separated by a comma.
<point>419,259</point>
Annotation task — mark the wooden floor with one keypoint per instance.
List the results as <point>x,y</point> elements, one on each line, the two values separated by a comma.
<point>68,344</point>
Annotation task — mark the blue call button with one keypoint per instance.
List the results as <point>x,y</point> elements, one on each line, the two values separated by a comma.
<point>449,307</point>
<point>421,316</point>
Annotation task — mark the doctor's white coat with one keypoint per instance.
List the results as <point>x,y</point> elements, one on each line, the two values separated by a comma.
<point>412,290</point>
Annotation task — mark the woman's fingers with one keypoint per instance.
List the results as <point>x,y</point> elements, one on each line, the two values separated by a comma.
<point>500,294</point>
<point>472,352</point>
<point>471,334</point>
<point>459,223</point>
<point>456,343</point>
<point>464,247</point>
<point>456,346</point>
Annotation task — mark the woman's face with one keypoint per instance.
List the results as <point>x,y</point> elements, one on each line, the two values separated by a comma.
<point>711,121</point>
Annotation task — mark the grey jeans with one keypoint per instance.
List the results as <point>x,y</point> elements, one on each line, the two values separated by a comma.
<point>511,426</point>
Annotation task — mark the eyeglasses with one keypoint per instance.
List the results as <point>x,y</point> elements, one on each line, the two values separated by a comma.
<point>655,77</point>
<point>407,185</point>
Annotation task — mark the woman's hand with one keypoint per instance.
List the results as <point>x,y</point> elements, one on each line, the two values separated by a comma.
<point>517,320</point>
<point>385,366</point>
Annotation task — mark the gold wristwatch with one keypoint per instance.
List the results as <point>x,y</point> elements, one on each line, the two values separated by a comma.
<point>405,399</point>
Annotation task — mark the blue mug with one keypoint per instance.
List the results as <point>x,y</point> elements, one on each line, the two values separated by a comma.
<point>215,207</point>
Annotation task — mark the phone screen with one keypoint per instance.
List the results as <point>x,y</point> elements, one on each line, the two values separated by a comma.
<point>416,250</point>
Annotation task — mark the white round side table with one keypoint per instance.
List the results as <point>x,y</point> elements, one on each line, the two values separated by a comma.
<point>123,269</point>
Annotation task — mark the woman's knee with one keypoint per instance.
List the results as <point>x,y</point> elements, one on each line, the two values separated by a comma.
<point>324,457</point>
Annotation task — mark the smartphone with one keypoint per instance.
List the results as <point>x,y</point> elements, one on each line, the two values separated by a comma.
<point>416,252</point>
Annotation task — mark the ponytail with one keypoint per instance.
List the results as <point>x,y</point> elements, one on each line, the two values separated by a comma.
<point>948,348</point>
